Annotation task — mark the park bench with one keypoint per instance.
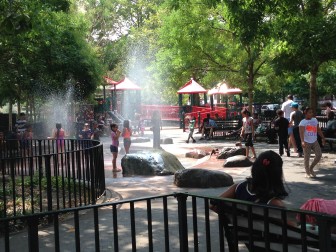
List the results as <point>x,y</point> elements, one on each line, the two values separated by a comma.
<point>264,228</point>
<point>330,141</point>
<point>227,128</point>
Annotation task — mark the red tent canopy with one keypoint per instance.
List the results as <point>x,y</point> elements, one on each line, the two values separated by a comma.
<point>222,88</point>
<point>110,81</point>
<point>191,87</point>
<point>124,84</point>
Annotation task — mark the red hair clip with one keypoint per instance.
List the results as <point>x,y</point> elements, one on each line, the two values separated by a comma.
<point>266,162</point>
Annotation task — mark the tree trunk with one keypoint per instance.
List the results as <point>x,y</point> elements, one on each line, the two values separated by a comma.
<point>10,115</point>
<point>313,87</point>
<point>250,86</point>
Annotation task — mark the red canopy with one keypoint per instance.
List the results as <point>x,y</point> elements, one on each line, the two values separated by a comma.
<point>110,81</point>
<point>125,84</point>
<point>222,88</point>
<point>191,87</point>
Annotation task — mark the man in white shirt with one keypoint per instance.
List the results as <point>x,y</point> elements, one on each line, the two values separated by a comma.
<point>287,109</point>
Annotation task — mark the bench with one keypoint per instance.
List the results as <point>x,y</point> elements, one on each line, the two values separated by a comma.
<point>330,141</point>
<point>227,128</point>
<point>264,228</point>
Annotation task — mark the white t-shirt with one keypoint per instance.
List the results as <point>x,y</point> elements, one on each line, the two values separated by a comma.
<point>286,108</point>
<point>310,132</point>
<point>247,124</point>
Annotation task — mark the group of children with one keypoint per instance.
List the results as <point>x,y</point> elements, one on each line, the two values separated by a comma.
<point>126,133</point>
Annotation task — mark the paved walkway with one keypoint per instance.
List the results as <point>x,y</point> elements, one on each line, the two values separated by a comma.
<point>118,188</point>
<point>300,188</point>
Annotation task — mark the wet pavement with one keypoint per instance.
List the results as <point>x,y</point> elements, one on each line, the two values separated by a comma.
<point>300,188</point>
<point>121,188</point>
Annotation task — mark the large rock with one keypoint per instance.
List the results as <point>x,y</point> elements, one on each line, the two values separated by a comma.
<point>230,152</point>
<point>140,139</point>
<point>166,141</point>
<point>238,161</point>
<point>156,162</point>
<point>198,154</point>
<point>202,178</point>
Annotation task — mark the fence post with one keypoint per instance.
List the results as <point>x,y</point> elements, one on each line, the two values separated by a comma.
<point>199,119</point>
<point>183,222</point>
<point>324,234</point>
<point>49,184</point>
<point>33,242</point>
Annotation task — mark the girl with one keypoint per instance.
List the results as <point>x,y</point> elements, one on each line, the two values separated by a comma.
<point>308,134</point>
<point>126,134</point>
<point>59,134</point>
<point>115,134</point>
<point>265,185</point>
<point>247,132</point>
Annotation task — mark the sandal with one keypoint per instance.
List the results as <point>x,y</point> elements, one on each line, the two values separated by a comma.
<point>116,170</point>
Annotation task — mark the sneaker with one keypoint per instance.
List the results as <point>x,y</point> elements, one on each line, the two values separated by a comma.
<point>194,141</point>
<point>307,175</point>
<point>312,174</point>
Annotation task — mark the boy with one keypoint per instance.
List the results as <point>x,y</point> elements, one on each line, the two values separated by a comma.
<point>191,129</point>
<point>281,125</point>
<point>248,132</point>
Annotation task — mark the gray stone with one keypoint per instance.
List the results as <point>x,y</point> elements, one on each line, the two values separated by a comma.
<point>140,139</point>
<point>202,178</point>
<point>150,163</point>
<point>198,154</point>
<point>237,161</point>
<point>230,152</point>
<point>167,141</point>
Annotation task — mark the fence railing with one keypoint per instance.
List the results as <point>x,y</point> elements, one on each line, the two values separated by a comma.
<point>173,222</point>
<point>46,175</point>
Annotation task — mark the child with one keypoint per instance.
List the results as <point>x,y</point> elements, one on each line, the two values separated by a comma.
<point>248,132</point>
<point>59,134</point>
<point>191,129</point>
<point>281,125</point>
<point>265,186</point>
<point>308,133</point>
<point>126,134</point>
<point>115,134</point>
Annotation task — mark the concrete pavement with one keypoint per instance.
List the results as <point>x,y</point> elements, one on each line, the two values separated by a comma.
<point>121,188</point>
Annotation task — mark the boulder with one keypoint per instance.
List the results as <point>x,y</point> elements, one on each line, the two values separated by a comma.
<point>198,154</point>
<point>202,178</point>
<point>230,152</point>
<point>238,161</point>
<point>140,139</point>
<point>166,141</point>
<point>150,163</point>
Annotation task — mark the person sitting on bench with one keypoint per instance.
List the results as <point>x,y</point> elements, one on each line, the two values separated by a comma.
<point>209,126</point>
<point>266,184</point>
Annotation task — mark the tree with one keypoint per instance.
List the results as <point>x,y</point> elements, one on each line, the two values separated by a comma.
<point>306,31</point>
<point>221,40</point>
<point>42,51</point>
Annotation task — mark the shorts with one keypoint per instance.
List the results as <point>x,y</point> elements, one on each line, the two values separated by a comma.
<point>127,142</point>
<point>290,130</point>
<point>113,149</point>
<point>248,140</point>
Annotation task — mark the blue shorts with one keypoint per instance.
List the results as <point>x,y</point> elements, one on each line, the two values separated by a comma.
<point>290,130</point>
<point>113,148</point>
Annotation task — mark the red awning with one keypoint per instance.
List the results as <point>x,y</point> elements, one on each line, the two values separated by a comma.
<point>222,88</point>
<point>191,87</point>
<point>126,84</point>
<point>110,81</point>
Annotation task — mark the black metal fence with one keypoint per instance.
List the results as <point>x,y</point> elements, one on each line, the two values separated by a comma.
<point>174,222</point>
<point>46,175</point>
